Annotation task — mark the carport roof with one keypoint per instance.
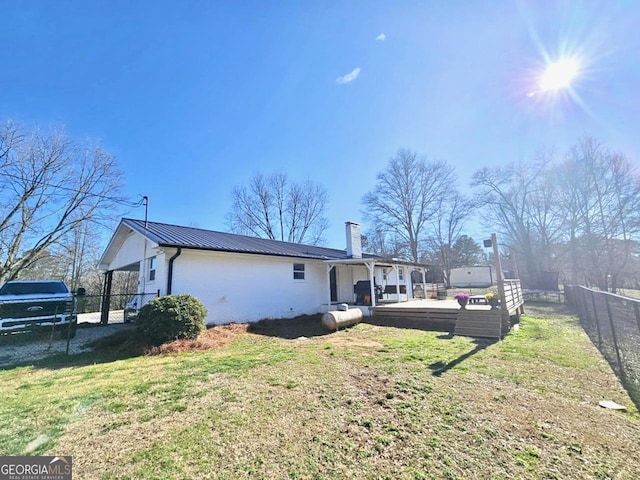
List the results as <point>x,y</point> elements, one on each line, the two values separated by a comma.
<point>167,235</point>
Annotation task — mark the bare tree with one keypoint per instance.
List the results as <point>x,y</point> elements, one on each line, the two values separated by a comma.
<point>516,199</point>
<point>47,264</point>
<point>587,209</point>
<point>276,208</point>
<point>384,243</point>
<point>446,230</point>
<point>601,200</point>
<point>407,196</point>
<point>49,187</point>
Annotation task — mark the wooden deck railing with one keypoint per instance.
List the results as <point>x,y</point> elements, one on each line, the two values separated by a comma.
<point>513,295</point>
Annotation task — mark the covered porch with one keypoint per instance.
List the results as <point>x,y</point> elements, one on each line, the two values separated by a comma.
<point>386,281</point>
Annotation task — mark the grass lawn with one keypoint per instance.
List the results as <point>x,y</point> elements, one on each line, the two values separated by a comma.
<point>367,402</point>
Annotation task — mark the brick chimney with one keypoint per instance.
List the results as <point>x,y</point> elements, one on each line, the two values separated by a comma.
<point>354,241</point>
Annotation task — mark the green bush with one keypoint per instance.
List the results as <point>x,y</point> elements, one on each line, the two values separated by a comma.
<point>172,317</point>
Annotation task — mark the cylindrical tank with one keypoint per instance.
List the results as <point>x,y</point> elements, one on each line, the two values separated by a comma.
<point>340,319</point>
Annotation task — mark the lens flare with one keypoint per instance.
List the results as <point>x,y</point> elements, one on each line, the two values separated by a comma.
<point>558,75</point>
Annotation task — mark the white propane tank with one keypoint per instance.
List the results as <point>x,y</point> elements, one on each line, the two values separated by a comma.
<point>340,319</point>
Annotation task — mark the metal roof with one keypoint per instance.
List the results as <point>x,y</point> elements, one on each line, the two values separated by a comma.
<point>166,235</point>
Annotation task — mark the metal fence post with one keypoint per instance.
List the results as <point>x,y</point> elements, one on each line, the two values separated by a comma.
<point>580,301</point>
<point>628,368</point>
<point>590,319</point>
<point>69,335</point>
<point>613,336</point>
<point>595,314</point>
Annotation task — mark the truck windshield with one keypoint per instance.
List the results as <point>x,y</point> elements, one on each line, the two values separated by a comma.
<point>26,288</point>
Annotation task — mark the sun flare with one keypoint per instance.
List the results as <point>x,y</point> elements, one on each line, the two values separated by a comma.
<point>558,75</point>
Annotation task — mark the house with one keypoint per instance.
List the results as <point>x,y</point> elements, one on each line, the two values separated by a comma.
<point>246,279</point>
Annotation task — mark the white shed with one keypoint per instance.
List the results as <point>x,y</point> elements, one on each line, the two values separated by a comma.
<point>472,277</point>
<point>246,279</point>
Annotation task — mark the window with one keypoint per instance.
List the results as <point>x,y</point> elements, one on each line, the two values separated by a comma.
<point>152,269</point>
<point>384,274</point>
<point>298,271</point>
<point>401,274</point>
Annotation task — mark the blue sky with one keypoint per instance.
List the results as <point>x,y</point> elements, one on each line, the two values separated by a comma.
<point>195,97</point>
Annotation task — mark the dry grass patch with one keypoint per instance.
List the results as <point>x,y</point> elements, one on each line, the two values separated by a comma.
<point>369,402</point>
<point>212,337</point>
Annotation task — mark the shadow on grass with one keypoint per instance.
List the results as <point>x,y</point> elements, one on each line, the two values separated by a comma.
<point>117,346</point>
<point>126,344</point>
<point>438,368</point>
<point>290,328</point>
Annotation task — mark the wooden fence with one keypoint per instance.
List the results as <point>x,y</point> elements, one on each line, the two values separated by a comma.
<point>613,324</point>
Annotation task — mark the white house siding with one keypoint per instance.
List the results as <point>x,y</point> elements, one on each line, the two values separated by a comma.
<point>131,251</point>
<point>247,288</point>
<point>359,273</point>
<point>344,279</point>
<point>145,284</point>
<point>391,276</point>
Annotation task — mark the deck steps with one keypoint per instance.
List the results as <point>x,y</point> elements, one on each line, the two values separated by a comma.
<point>479,323</point>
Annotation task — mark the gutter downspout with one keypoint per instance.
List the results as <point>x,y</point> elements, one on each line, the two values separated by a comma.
<point>170,273</point>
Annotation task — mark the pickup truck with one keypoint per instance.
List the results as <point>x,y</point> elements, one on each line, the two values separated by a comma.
<point>31,305</point>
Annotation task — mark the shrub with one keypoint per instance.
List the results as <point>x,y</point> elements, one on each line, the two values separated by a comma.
<point>170,318</point>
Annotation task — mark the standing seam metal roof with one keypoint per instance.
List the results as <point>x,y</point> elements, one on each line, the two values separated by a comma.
<point>166,235</point>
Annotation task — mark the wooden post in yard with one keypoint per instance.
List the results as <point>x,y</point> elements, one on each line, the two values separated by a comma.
<point>503,298</point>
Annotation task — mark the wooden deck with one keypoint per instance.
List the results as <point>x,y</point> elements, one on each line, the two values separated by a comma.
<point>424,309</point>
<point>477,320</point>
<point>436,314</point>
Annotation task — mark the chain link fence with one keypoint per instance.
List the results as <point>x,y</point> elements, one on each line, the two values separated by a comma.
<point>118,307</point>
<point>613,323</point>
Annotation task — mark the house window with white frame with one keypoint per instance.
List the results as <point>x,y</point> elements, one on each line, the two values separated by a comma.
<point>384,274</point>
<point>152,269</point>
<point>298,271</point>
<point>401,274</point>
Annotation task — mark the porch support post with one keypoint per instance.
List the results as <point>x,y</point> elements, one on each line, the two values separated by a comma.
<point>424,282</point>
<point>106,298</point>
<point>370,266</point>
<point>409,283</point>
<point>329,266</point>
<point>397,272</point>
<point>394,269</point>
